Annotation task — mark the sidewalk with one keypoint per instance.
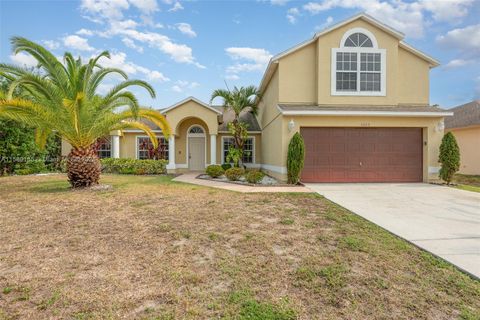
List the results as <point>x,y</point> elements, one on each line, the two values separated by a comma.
<point>191,178</point>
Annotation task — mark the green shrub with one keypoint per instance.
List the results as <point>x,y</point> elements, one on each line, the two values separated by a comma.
<point>234,174</point>
<point>295,158</point>
<point>449,157</point>
<point>226,166</point>
<point>254,176</point>
<point>215,171</point>
<point>133,166</point>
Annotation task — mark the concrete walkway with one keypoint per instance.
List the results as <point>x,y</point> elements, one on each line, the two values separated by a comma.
<point>439,219</point>
<point>191,178</point>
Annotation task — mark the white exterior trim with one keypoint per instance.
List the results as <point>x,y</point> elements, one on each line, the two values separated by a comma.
<point>366,17</point>
<point>115,147</point>
<point>433,62</point>
<point>140,131</point>
<point>359,51</point>
<point>366,113</point>
<point>358,30</point>
<point>178,104</point>
<point>171,152</point>
<point>222,161</point>
<point>249,132</point>
<point>195,135</point>
<point>278,169</point>
<point>213,149</point>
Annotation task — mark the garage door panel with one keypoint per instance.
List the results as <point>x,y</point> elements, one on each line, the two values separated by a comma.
<point>362,154</point>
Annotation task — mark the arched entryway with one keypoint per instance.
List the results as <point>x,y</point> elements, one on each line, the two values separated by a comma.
<point>196,148</point>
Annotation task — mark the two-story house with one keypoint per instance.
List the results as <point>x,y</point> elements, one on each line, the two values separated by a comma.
<point>357,93</point>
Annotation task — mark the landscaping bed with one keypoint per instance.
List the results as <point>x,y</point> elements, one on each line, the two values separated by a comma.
<point>151,248</point>
<point>265,182</point>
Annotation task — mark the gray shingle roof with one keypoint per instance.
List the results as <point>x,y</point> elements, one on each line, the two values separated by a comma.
<point>399,108</point>
<point>247,117</point>
<point>464,116</point>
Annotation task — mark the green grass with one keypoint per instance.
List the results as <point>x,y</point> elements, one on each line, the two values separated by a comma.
<point>467,182</point>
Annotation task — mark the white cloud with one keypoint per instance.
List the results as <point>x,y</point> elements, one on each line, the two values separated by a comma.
<point>186,29</point>
<point>447,10</point>
<point>403,16</point>
<point>24,60</point>
<point>109,9</point>
<point>85,32</point>
<point>278,2</point>
<point>292,15</point>
<point>178,52</point>
<point>51,44</point>
<point>123,24</point>
<point>326,24</point>
<point>176,7</point>
<point>119,60</point>
<point>466,40</point>
<point>77,43</point>
<point>131,44</point>
<point>249,59</point>
<point>456,63</point>
<point>145,6</point>
<point>232,77</point>
<point>182,85</point>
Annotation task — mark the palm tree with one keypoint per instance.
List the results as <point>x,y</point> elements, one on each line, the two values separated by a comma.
<point>238,100</point>
<point>64,99</point>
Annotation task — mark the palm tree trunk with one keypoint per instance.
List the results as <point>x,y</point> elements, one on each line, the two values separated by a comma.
<point>83,167</point>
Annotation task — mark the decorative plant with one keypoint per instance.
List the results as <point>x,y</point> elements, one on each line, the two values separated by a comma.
<point>234,156</point>
<point>254,176</point>
<point>63,98</point>
<point>155,152</point>
<point>449,157</point>
<point>238,100</point>
<point>295,158</point>
<point>234,174</point>
<point>215,171</point>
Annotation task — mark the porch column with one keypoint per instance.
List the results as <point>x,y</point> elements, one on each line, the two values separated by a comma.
<point>213,149</point>
<point>171,152</point>
<point>116,146</point>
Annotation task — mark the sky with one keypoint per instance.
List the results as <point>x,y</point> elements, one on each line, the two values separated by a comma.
<point>190,48</point>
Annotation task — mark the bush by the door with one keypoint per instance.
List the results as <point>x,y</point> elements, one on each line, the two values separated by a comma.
<point>215,171</point>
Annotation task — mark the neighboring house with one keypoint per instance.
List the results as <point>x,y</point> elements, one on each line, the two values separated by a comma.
<point>357,93</point>
<point>465,125</point>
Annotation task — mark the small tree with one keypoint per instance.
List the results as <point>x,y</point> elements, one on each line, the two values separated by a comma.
<point>295,158</point>
<point>449,157</point>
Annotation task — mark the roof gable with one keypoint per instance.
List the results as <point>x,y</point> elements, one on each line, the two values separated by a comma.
<point>184,101</point>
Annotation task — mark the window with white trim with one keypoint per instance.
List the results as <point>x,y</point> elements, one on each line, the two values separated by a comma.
<point>358,66</point>
<point>104,148</point>
<point>248,149</point>
<point>145,149</point>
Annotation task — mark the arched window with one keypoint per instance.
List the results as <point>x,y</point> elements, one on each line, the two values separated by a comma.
<point>358,40</point>
<point>358,66</point>
<point>196,129</point>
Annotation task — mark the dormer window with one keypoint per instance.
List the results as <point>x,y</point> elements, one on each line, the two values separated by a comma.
<point>358,66</point>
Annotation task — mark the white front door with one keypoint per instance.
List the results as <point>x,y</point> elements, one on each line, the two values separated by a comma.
<point>196,153</point>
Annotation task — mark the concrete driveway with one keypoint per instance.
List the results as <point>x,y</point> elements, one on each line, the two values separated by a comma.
<point>442,220</point>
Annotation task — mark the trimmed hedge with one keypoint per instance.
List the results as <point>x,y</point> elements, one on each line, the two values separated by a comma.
<point>226,166</point>
<point>215,171</point>
<point>254,176</point>
<point>234,174</point>
<point>133,166</point>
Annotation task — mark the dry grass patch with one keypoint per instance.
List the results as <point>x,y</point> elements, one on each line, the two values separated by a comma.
<point>153,249</point>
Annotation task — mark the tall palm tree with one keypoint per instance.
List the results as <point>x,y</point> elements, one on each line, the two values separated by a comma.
<point>238,100</point>
<point>64,99</point>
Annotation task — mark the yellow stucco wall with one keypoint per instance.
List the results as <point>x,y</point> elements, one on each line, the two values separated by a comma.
<point>267,107</point>
<point>468,140</point>
<point>181,139</point>
<point>192,109</point>
<point>305,74</point>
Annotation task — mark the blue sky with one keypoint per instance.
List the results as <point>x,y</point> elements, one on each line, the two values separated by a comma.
<point>188,48</point>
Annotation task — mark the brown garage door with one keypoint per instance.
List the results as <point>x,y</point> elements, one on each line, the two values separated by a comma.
<point>362,154</point>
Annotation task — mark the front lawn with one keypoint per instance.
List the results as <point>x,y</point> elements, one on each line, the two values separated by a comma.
<point>154,249</point>
<point>467,182</point>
